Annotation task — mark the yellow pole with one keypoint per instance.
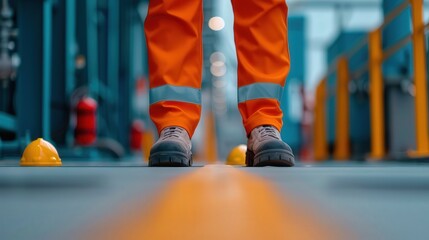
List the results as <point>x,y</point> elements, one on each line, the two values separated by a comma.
<point>342,141</point>
<point>419,47</point>
<point>148,139</point>
<point>320,141</point>
<point>210,141</point>
<point>376,95</point>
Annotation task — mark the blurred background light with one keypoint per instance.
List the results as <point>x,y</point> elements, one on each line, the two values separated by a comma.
<point>217,56</point>
<point>219,83</point>
<point>216,23</point>
<point>218,69</point>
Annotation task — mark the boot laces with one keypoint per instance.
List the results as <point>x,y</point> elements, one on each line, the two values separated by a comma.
<point>172,132</point>
<point>267,132</point>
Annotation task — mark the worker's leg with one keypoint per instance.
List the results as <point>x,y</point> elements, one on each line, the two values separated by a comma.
<point>260,29</point>
<point>174,39</point>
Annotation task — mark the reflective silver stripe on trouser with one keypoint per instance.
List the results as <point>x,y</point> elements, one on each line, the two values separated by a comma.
<point>260,90</point>
<point>175,93</point>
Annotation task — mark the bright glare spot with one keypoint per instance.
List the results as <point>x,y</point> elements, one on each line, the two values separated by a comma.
<point>219,100</point>
<point>219,83</point>
<point>218,69</point>
<point>216,23</point>
<point>218,63</point>
<point>217,56</point>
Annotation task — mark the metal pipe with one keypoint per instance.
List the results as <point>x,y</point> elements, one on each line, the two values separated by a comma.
<point>70,58</point>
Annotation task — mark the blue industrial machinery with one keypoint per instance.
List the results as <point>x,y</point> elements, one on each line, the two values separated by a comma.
<point>69,49</point>
<point>398,85</point>
<point>399,82</point>
<point>359,106</point>
<point>293,96</point>
<point>399,65</point>
<point>9,62</point>
<point>359,103</point>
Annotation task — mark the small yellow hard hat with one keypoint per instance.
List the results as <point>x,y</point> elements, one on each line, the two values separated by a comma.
<point>40,153</point>
<point>237,156</point>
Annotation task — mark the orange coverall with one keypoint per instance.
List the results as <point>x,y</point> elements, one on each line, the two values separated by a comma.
<point>173,31</point>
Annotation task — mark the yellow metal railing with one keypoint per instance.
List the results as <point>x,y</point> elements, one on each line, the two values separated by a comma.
<point>376,95</point>
<point>377,55</point>
<point>210,139</point>
<point>321,146</point>
<point>342,140</point>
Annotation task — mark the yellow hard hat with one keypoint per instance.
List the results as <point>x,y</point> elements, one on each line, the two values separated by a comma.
<point>40,153</point>
<point>237,156</point>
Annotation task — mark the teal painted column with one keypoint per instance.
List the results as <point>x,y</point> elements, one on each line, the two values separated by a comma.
<point>113,33</point>
<point>291,102</point>
<point>63,53</point>
<point>70,42</point>
<point>92,47</point>
<point>34,80</point>
<point>70,55</point>
<point>47,61</point>
<point>125,88</point>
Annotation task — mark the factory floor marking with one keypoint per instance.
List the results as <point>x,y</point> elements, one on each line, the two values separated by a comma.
<point>216,202</point>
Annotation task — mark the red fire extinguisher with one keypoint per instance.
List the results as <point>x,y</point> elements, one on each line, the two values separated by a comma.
<point>86,122</point>
<point>136,135</point>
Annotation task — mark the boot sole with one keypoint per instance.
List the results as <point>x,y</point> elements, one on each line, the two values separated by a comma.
<point>272,157</point>
<point>170,159</point>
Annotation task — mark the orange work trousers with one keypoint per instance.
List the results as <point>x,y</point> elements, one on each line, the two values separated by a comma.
<point>173,31</point>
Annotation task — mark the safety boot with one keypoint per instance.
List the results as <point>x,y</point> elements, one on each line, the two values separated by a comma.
<point>265,148</point>
<point>173,149</point>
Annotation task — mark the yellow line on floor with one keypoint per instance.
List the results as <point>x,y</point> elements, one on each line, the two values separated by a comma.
<point>217,202</point>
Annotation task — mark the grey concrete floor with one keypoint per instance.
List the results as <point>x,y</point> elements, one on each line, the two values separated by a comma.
<point>377,201</point>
